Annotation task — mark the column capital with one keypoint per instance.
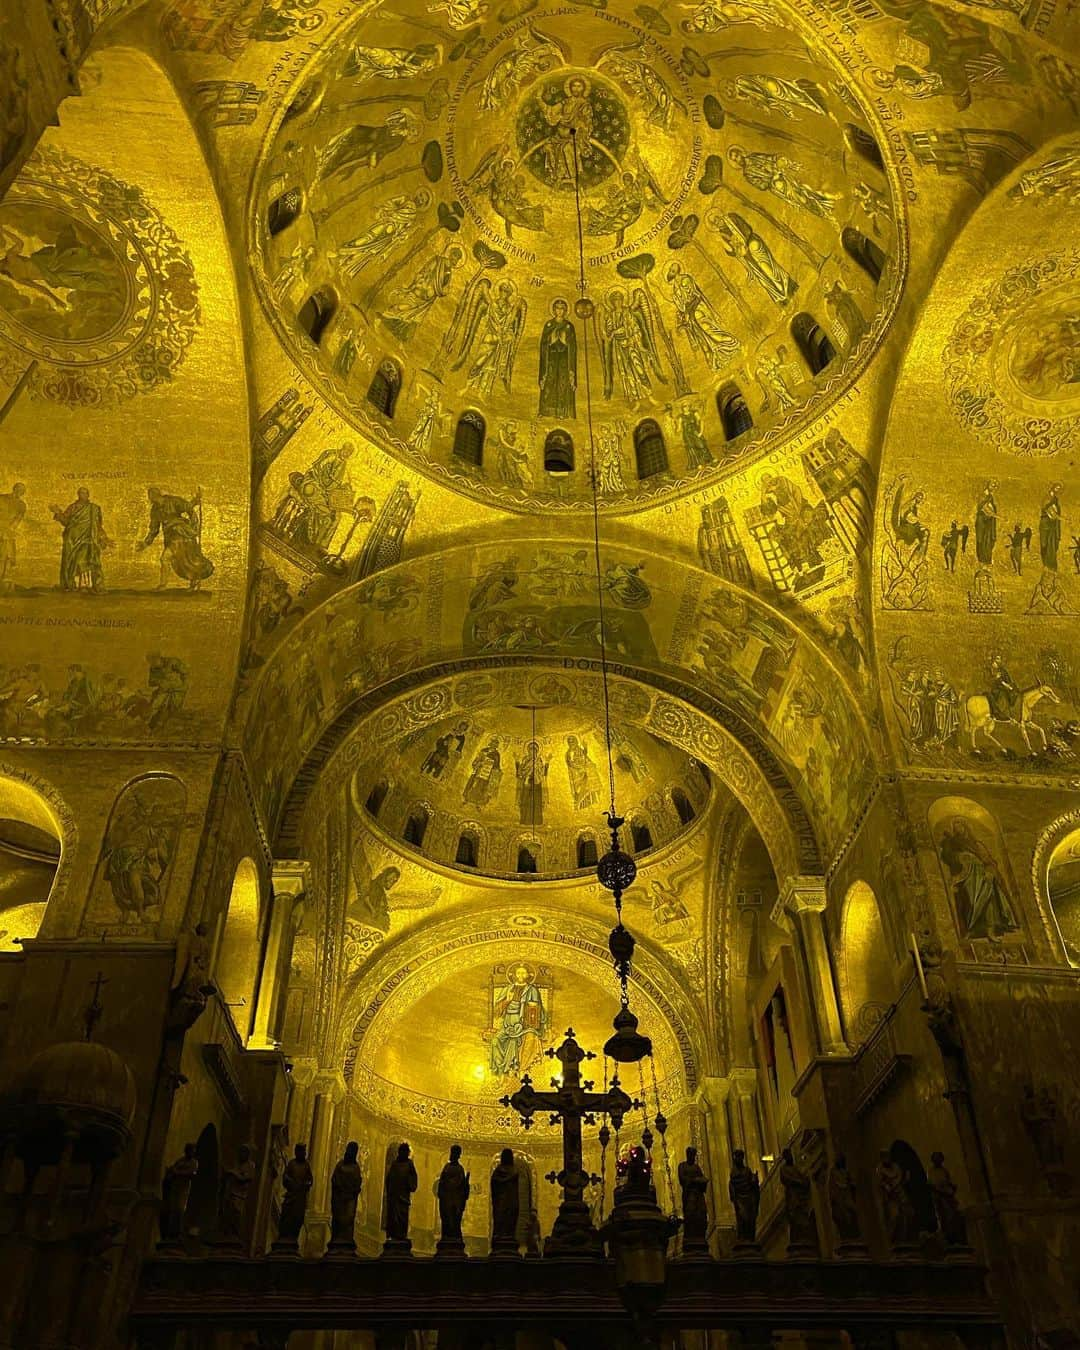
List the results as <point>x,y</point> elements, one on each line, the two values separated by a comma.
<point>712,1091</point>
<point>744,1081</point>
<point>291,876</point>
<point>802,894</point>
<point>304,1072</point>
<point>331,1083</point>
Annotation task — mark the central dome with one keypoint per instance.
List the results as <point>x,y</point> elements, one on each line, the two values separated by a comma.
<point>522,791</point>
<point>417,229</point>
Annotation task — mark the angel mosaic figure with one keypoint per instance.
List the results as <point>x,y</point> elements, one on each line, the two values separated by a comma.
<point>742,241</point>
<point>493,327</point>
<point>777,174</point>
<point>698,321</point>
<point>395,221</point>
<point>392,63</point>
<point>498,174</point>
<point>629,66</point>
<point>627,343</point>
<point>533,53</point>
<point>372,905</point>
<point>787,98</point>
<point>903,559</point>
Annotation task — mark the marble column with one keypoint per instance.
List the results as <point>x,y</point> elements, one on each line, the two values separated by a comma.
<point>329,1093</point>
<point>711,1099</point>
<point>804,898</point>
<point>290,881</point>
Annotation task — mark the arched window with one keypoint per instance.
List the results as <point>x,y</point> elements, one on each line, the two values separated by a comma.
<point>683,805</point>
<point>416,826</point>
<point>526,861</point>
<point>735,415</point>
<point>468,849</point>
<point>813,342</point>
<point>376,797</point>
<point>864,252</point>
<point>317,311</point>
<point>236,966</point>
<point>650,452</point>
<point>587,855</point>
<point>469,438</point>
<point>640,836</point>
<point>385,386</point>
<point>558,452</point>
<point>863,144</point>
<point>284,210</point>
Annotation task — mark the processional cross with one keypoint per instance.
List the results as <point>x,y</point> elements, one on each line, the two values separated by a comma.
<point>572,1103</point>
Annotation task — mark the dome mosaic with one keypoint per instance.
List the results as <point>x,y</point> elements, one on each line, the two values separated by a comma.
<point>521,791</point>
<point>742,247</point>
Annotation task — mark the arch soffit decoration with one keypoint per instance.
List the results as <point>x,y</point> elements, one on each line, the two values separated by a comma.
<point>656,977</point>
<point>357,662</point>
<point>67,830</point>
<point>1049,838</point>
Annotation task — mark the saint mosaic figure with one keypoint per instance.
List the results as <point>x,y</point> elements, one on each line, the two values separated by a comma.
<point>532,790</point>
<point>698,321</point>
<point>485,775</point>
<point>12,514</point>
<point>178,520</point>
<point>773,173</point>
<point>410,304</point>
<point>83,542</point>
<point>979,893</point>
<point>519,1023</point>
<point>742,241</point>
<point>558,365</point>
<point>583,773</point>
<point>395,221</point>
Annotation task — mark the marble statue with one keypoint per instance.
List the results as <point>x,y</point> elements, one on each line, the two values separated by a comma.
<point>950,1216</point>
<point>175,1192</point>
<point>297,1181</point>
<point>802,1229</point>
<point>236,1184</point>
<point>505,1203</point>
<point>744,1188</point>
<point>901,1225</point>
<point>346,1182</point>
<point>453,1194</point>
<point>694,1183</point>
<point>191,985</point>
<point>401,1182</point>
<point>843,1205</point>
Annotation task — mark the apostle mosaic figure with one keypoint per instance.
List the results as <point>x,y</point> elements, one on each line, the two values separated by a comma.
<point>83,542</point>
<point>742,241</point>
<point>773,173</point>
<point>394,222</point>
<point>411,303</point>
<point>12,514</point>
<point>558,365</point>
<point>178,521</point>
<point>485,775</point>
<point>698,321</point>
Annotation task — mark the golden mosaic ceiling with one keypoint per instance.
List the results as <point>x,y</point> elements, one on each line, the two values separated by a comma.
<point>522,790</point>
<point>415,207</point>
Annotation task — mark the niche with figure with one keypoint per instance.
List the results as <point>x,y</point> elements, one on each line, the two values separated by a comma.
<point>138,853</point>
<point>975,868</point>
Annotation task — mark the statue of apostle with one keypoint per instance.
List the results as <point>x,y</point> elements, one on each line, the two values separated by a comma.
<point>175,1192</point>
<point>744,1188</point>
<point>453,1194</point>
<point>346,1181</point>
<point>401,1182</point>
<point>297,1181</point>
<point>694,1183</point>
<point>558,365</point>
<point>505,1203</point>
<point>236,1184</point>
